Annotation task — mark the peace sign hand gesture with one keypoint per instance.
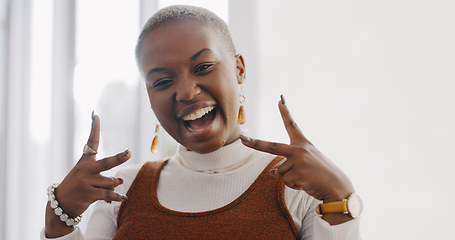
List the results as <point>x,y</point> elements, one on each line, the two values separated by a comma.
<point>84,185</point>
<point>305,167</point>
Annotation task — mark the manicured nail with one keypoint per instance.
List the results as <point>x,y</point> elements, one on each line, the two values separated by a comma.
<point>126,152</point>
<point>119,181</point>
<point>244,138</point>
<point>282,99</point>
<point>93,115</point>
<point>281,163</point>
<point>272,172</point>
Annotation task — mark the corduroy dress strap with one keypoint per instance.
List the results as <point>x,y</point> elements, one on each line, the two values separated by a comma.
<point>259,213</point>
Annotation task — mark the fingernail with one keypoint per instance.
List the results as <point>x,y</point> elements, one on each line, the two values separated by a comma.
<point>107,201</point>
<point>120,180</point>
<point>282,99</point>
<point>281,163</point>
<point>244,138</point>
<point>93,115</point>
<point>124,197</point>
<point>272,172</point>
<point>126,152</point>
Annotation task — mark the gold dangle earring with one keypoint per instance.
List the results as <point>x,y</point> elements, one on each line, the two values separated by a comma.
<point>155,142</point>
<point>241,117</point>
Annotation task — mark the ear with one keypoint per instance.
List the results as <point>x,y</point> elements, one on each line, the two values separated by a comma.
<point>240,64</point>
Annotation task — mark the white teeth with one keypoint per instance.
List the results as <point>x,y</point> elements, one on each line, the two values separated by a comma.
<point>198,114</point>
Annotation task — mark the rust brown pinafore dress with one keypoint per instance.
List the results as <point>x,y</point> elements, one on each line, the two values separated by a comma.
<point>259,213</point>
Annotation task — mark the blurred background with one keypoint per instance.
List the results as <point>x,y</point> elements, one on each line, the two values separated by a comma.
<point>371,84</point>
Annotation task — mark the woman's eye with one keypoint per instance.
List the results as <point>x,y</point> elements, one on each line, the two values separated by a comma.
<point>203,67</point>
<point>161,82</point>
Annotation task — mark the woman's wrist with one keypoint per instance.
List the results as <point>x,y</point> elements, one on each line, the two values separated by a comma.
<point>336,218</point>
<point>58,223</point>
<point>342,188</point>
<point>54,226</point>
<point>63,216</point>
<point>338,197</point>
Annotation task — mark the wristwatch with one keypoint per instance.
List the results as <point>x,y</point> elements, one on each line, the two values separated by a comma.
<point>352,205</point>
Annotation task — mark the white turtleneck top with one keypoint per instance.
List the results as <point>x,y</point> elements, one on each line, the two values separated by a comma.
<point>185,185</point>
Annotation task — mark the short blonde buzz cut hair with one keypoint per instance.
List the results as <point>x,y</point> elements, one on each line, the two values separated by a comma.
<point>182,13</point>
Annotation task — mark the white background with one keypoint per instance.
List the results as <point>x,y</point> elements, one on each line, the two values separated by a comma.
<point>371,84</point>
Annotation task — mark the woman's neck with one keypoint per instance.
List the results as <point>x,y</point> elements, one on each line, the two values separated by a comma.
<point>224,158</point>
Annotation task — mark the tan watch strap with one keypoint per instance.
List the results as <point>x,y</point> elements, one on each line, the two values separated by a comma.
<point>334,207</point>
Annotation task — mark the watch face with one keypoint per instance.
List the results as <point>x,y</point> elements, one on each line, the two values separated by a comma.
<point>355,205</point>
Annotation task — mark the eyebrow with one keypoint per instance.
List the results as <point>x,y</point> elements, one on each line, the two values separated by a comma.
<point>154,70</point>
<point>199,53</point>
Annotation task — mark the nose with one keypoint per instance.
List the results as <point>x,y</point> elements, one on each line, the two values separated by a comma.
<point>187,90</point>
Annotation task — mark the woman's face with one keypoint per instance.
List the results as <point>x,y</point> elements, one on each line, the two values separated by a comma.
<point>192,83</point>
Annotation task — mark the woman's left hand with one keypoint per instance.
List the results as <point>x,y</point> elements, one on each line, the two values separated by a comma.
<point>305,167</point>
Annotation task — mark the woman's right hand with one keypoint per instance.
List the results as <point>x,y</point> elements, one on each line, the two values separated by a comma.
<point>84,185</point>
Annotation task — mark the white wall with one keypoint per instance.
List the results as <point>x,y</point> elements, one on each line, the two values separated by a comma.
<point>372,84</point>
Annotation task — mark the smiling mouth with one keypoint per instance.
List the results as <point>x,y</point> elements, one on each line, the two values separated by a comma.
<point>198,120</point>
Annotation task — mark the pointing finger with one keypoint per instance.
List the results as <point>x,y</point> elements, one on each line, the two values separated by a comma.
<point>265,146</point>
<point>94,137</point>
<point>110,162</point>
<point>295,134</point>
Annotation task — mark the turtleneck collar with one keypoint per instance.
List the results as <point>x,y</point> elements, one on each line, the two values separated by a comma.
<point>224,158</point>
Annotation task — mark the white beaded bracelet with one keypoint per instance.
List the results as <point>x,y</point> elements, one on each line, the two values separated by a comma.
<point>58,210</point>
